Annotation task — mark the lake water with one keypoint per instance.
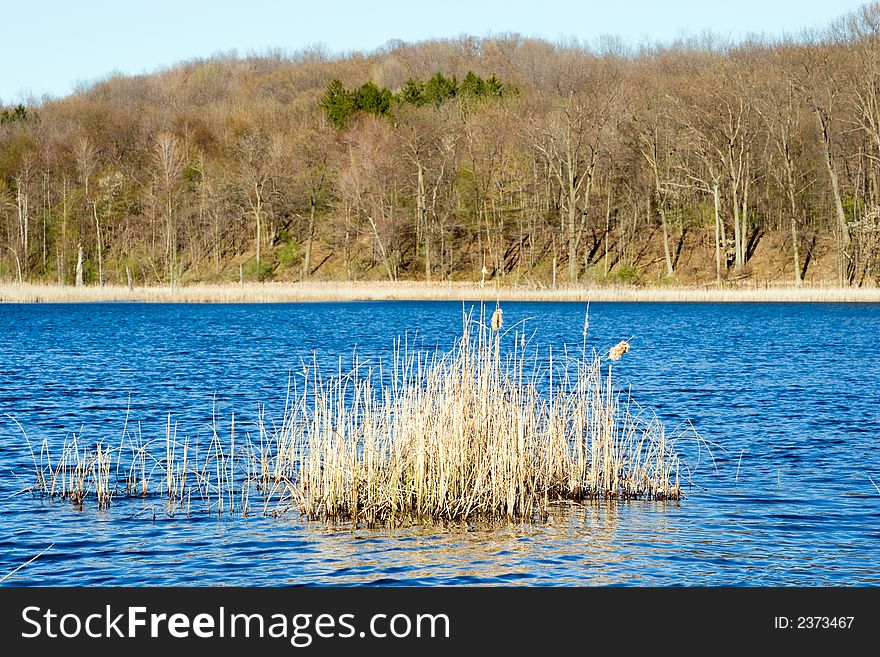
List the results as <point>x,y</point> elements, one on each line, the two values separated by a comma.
<point>787,394</point>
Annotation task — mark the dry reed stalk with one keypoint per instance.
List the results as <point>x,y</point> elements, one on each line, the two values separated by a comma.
<point>101,475</point>
<point>26,563</point>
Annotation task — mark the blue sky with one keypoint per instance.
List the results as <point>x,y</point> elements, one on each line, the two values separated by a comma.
<point>49,46</point>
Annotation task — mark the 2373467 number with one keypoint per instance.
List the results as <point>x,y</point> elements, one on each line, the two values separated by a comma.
<point>824,622</point>
<point>814,622</point>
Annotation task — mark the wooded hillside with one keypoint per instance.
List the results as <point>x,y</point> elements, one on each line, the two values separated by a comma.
<point>502,157</point>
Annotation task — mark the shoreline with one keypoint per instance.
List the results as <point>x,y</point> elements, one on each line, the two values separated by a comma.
<point>338,291</point>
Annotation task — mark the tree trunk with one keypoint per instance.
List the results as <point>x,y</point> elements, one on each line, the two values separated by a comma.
<point>845,242</point>
<point>21,201</point>
<point>607,228</point>
<point>427,254</point>
<point>100,245</point>
<point>258,219</point>
<point>737,228</point>
<point>382,252</point>
<point>662,212</point>
<point>666,254</point>
<point>661,208</point>
<point>170,241</point>
<point>572,246</point>
<point>79,265</point>
<point>17,265</point>
<point>744,220</point>
<point>347,257</point>
<point>46,213</point>
<point>422,218</point>
<point>795,252</point>
<point>792,209</point>
<point>62,259</point>
<point>572,216</point>
<point>310,236</point>
<point>716,197</point>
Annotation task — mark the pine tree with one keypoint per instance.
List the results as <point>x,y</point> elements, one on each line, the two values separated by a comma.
<point>337,103</point>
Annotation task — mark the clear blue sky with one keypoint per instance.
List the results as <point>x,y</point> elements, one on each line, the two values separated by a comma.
<point>48,46</point>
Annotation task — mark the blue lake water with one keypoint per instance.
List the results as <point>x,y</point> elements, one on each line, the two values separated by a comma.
<point>787,395</point>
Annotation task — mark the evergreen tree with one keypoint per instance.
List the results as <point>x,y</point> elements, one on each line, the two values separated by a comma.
<point>439,89</point>
<point>337,103</point>
<point>494,87</point>
<point>473,85</point>
<point>413,92</point>
<point>370,98</point>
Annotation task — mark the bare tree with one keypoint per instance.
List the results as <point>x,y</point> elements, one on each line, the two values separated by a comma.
<point>312,151</point>
<point>168,161</point>
<point>569,141</point>
<point>257,158</point>
<point>811,68</point>
<point>653,127</point>
<point>370,183</point>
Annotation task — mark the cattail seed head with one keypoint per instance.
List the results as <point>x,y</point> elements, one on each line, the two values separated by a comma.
<point>618,350</point>
<point>497,320</point>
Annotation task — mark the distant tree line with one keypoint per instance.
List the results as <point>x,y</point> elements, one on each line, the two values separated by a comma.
<point>696,161</point>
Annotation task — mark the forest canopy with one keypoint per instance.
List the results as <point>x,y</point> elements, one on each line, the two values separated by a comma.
<point>534,162</point>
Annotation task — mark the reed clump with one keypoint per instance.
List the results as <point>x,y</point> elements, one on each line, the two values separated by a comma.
<point>493,428</point>
<point>166,468</point>
<point>478,431</point>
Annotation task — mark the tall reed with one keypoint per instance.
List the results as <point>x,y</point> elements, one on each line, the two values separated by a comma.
<point>493,428</point>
